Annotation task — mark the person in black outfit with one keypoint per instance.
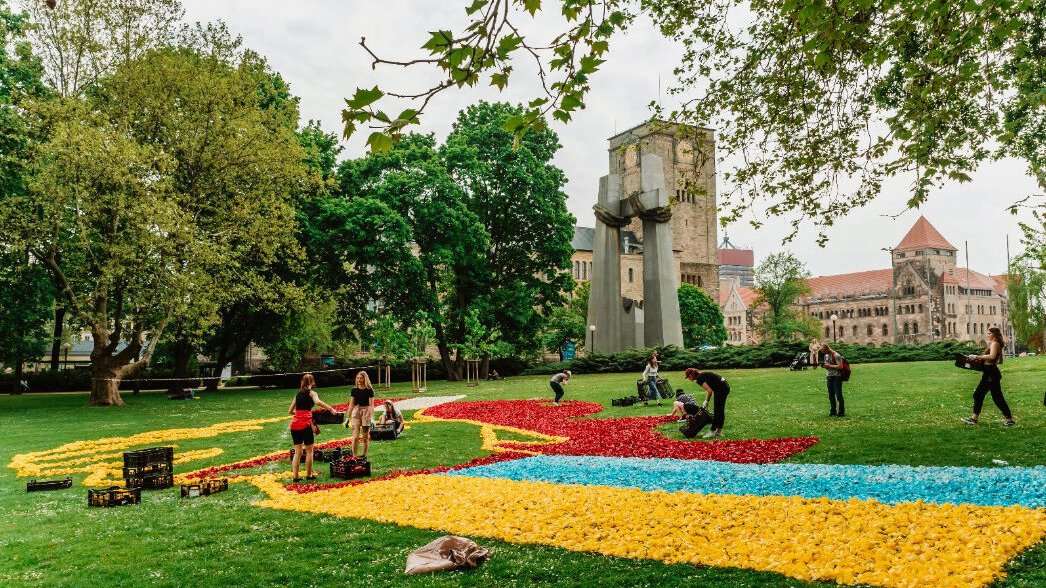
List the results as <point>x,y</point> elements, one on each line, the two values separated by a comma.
<point>991,380</point>
<point>716,386</point>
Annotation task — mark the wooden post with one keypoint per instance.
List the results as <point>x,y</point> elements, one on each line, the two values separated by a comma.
<point>384,375</point>
<point>472,372</point>
<point>419,375</point>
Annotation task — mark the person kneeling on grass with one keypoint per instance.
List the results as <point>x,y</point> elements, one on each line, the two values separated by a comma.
<point>301,424</point>
<point>714,384</point>
<point>684,405</point>
<point>391,415</point>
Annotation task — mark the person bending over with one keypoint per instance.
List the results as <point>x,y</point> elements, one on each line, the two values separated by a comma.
<point>717,387</point>
<point>684,405</point>
<point>556,383</point>
<point>301,424</point>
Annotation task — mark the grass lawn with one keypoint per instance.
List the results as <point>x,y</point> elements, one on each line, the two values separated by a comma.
<point>896,414</point>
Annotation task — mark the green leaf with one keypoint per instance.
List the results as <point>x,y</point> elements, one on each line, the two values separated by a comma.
<point>476,6</point>
<point>500,80</point>
<point>379,142</point>
<point>532,6</point>
<point>513,123</point>
<point>363,98</point>
<point>438,41</point>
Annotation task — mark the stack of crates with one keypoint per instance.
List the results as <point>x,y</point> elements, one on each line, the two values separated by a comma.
<point>151,468</point>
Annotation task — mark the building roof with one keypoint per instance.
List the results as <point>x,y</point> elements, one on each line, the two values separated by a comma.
<point>748,295</point>
<point>923,235</point>
<point>870,282</point>
<point>585,238</point>
<point>979,281</point>
<point>745,257</point>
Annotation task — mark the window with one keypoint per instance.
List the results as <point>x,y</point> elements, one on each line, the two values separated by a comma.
<point>869,330</point>
<point>920,308</point>
<point>936,251</point>
<point>584,271</point>
<point>855,331</point>
<point>590,269</point>
<point>905,328</point>
<point>915,328</point>
<point>698,280</point>
<point>630,275</point>
<point>826,335</point>
<point>577,270</point>
<point>900,256</point>
<point>886,330</point>
<point>920,253</point>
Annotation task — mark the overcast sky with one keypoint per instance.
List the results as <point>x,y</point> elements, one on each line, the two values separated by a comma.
<point>315,46</point>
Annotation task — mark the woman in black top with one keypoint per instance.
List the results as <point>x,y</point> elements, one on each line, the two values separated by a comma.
<point>361,413</point>
<point>716,386</point>
<point>301,424</point>
<point>991,380</point>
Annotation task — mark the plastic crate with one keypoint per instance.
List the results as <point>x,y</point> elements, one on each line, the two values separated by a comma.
<point>350,468</point>
<point>151,482</point>
<point>386,432</point>
<point>626,401</point>
<point>34,486</point>
<point>323,455</point>
<point>162,467</point>
<point>114,496</point>
<point>205,488</point>
<point>324,417</point>
<point>143,457</point>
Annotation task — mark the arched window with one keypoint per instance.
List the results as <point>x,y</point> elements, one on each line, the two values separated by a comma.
<point>698,280</point>
<point>855,330</point>
<point>905,328</point>
<point>590,269</point>
<point>584,271</point>
<point>886,330</point>
<point>630,275</point>
<point>869,330</point>
<point>915,328</point>
<point>577,270</point>
<point>826,335</point>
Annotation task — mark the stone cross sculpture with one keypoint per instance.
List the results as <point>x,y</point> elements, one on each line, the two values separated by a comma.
<point>617,327</point>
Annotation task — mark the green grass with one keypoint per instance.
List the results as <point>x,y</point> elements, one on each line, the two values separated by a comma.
<point>897,413</point>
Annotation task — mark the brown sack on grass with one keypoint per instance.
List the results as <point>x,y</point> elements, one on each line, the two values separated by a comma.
<point>446,553</point>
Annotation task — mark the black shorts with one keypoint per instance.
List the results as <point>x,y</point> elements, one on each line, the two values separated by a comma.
<point>303,436</point>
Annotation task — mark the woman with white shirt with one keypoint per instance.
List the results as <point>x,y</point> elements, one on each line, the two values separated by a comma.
<point>650,376</point>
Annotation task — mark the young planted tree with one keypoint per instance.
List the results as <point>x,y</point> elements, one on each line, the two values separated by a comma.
<point>701,317</point>
<point>780,281</point>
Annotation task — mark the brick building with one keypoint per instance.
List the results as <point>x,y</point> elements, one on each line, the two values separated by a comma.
<point>736,263</point>
<point>923,297</point>
<point>740,315</point>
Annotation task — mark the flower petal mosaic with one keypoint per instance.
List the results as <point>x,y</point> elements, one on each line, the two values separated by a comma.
<point>619,487</point>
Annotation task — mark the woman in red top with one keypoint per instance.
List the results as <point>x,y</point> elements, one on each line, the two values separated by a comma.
<point>301,424</point>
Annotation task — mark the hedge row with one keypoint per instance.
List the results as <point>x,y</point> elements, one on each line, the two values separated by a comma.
<point>775,354</point>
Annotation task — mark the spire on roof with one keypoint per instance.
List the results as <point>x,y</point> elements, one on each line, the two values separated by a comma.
<point>726,244</point>
<point>923,235</point>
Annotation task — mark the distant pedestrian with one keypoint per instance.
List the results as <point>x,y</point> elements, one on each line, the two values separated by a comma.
<point>556,383</point>
<point>302,432</point>
<point>24,385</point>
<point>650,377</point>
<point>833,365</point>
<point>991,380</point>
<point>715,386</point>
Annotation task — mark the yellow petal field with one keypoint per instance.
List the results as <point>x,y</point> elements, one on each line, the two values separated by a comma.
<point>856,541</point>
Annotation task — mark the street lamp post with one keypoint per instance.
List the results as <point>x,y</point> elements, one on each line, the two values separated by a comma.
<point>592,329</point>
<point>835,317</point>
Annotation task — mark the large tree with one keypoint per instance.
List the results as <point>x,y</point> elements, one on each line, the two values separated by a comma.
<point>819,102</point>
<point>701,317</point>
<point>26,298</point>
<point>517,195</point>
<point>779,281</point>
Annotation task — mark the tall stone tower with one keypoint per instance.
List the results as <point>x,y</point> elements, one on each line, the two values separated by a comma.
<point>688,157</point>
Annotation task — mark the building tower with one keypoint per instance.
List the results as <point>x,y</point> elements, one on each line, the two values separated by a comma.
<point>688,156</point>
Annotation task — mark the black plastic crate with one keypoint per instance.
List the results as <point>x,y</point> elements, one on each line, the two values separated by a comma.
<point>324,417</point>
<point>143,457</point>
<point>151,482</point>
<point>205,488</point>
<point>626,401</point>
<point>161,467</point>
<point>386,432</point>
<point>34,486</point>
<point>350,468</point>
<point>114,496</point>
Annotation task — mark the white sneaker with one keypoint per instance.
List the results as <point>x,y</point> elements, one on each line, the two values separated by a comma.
<point>709,435</point>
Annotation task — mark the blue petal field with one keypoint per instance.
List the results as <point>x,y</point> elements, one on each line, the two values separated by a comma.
<point>888,484</point>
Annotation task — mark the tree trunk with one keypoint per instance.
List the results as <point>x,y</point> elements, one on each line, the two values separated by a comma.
<point>105,384</point>
<point>181,352</point>
<point>16,386</point>
<point>453,370</point>
<point>56,343</point>
<point>484,368</point>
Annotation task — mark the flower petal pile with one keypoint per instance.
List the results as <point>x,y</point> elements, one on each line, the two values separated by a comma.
<point>855,541</point>
<point>890,484</point>
<point>615,437</point>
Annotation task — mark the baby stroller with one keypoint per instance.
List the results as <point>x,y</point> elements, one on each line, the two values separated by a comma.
<point>801,362</point>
